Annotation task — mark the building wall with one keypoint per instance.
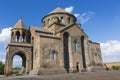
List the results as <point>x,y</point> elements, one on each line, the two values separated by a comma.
<point>95,54</point>
<point>48,45</point>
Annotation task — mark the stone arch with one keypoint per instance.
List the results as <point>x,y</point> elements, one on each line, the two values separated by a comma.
<point>23,37</point>
<point>62,19</point>
<point>66,50</point>
<point>69,20</point>
<point>23,57</point>
<point>17,38</point>
<point>48,22</point>
<point>83,51</point>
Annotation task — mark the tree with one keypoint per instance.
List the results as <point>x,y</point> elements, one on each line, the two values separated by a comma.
<point>1,67</point>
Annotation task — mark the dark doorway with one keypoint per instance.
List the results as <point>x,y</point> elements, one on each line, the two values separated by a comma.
<point>77,66</point>
<point>66,51</point>
<point>83,52</point>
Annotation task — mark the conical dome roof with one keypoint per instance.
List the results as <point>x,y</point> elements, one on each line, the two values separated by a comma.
<point>19,25</point>
<point>58,10</point>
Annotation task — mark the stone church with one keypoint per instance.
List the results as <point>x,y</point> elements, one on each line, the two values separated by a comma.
<point>58,46</point>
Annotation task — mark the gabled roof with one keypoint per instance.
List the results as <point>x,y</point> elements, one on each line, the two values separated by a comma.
<point>19,25</point>
<point>36,28</point>
<point>67,27</point>
<point>57,10</point>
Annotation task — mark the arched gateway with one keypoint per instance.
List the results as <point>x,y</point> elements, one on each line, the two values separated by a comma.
<point>23,57</point>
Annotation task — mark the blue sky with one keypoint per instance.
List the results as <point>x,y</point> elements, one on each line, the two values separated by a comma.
<point>100,19</point>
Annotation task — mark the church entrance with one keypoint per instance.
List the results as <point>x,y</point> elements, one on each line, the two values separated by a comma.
<point>66,51</point>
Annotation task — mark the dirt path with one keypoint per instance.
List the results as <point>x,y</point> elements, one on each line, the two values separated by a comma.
<point>103,75</point>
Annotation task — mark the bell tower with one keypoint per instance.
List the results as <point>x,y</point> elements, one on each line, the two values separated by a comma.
<point>19,33</point>
<point>19,45</point>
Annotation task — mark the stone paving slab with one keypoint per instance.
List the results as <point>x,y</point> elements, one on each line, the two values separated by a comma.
<point>103,75</point>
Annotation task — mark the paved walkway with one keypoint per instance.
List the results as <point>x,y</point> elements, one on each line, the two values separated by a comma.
<point>103,75</point>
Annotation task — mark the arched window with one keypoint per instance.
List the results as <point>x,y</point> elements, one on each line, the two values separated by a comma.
<point>62,20</point>
<point>69,20</point>
<point>17,36</point>
<point>75,45</point>
<point>54,55</point>
<point>48,21</point>
<point>23,37</point>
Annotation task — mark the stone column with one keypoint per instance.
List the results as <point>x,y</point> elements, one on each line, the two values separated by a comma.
<point>70,54</point>
<point>62,53</point>
<point>14,36</point>
<point>11,40</point>
<point>86,52</point>
<point>20,39</point>
<point>28,63</point>
<point>8,65</point>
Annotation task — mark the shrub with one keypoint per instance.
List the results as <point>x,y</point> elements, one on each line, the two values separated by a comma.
<point>116,67</point>
<point>1,67</point>
<point>15,70</point>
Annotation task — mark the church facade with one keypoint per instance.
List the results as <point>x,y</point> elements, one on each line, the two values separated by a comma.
<point>60,46</point>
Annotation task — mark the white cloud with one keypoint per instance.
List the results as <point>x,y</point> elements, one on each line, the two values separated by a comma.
<point>84,17</point>
<point>5,34</point>
<point>81,18</point>
<point>76,15</point>
<point>69,9</point>
<point>111,51</point>
<point>4,39</point>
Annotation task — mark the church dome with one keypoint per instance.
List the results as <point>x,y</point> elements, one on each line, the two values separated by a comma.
<point>58,10</point>
<point>60,16</point>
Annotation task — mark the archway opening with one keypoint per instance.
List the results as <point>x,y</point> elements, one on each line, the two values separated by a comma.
<point>23,37</point>
<point>66,50</point>
<point>62,20</point>
<point>18,64</point>
<point>83,52</point>
<point>17,38</point>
